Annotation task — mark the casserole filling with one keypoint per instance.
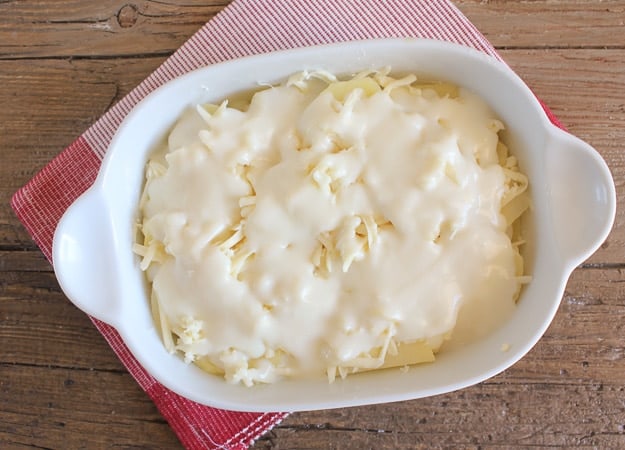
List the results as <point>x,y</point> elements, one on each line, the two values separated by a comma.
<point>329,227</point>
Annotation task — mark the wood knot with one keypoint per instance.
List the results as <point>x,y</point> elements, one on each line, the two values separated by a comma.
<point>127,15</point>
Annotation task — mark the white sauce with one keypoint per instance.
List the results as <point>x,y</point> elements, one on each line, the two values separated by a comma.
<point>406,162</point>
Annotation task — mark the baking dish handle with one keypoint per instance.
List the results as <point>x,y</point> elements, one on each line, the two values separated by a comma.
<point>581,194</point>
<point>84,258</point>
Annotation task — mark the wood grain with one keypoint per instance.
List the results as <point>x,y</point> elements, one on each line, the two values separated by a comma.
<point>64,63</point>
<point>545,24</point>
<point>105,29</point>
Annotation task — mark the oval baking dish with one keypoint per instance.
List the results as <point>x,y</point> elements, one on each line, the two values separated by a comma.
<point>573,200</point>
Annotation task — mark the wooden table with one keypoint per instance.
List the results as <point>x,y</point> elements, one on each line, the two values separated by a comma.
<point>64,63</point>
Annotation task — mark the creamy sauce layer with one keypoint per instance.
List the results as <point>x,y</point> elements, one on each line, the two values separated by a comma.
<point>318,228</point>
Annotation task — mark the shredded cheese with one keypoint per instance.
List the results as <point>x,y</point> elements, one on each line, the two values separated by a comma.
<point>331,226</point>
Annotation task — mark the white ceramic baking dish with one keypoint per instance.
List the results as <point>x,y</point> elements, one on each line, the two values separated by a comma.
<point>573,211</point>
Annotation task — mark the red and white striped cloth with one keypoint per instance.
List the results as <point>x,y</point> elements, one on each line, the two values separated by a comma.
<point>243,28</point>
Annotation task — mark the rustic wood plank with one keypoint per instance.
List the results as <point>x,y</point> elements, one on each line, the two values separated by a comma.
<point>548,23</point>
<point>508,416</point>
<point>118,28</point>
<point>49,103</point>
<point>23,261</point>
<point>39,326</point>
<point>99,28</point>
<point>43,406</point>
